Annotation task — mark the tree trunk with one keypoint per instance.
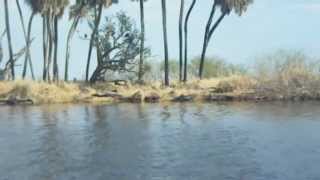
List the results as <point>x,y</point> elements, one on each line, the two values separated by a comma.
<point>49,32</point>
<point>208,38</point>
<point>97,74</point>
<point>11,60</point>
<point>55,58</point>
<point>165,41</point>
<point>216,24</point>
<point>93,36</point>
<point>70,35</point>
<point>28,55</point>
<point>30,60</point>
<point>185,78</point>
<point>45,47</point>
<point>205,39</point>
<point>181,40</point>
<point>141,69</point>
<point>100,71</point>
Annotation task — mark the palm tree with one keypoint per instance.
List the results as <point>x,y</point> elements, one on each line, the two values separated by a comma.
<point>77,11</point>
<point>58,7</point>
<point>97,6</point>
<point>55,59</point>
<point>27,39</point>
<point>39,7</point>
<point>47,12</point>
<point>51,11</point>
<point>45,48</point>
<point>50,38</point>
<point>165,41</point>
<point>11,60</point>
<point>181,39</point>
<point>142,26</point>
<point>226,6</point>
<point>205,40</point>
<point>142,23</point>
<point>186,40</point>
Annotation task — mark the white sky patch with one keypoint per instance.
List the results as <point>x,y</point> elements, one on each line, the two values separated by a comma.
<point>311,6</point>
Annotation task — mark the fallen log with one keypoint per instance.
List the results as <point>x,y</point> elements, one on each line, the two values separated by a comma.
<point>15,101</point>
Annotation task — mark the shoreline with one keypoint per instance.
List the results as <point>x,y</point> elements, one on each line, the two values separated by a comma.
<point>228,89</point>
<point>218,98</point>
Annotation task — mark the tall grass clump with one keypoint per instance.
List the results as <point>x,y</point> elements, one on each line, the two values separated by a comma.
<point>42,92</point>
<point>214,67</point>
<point>288,73</point>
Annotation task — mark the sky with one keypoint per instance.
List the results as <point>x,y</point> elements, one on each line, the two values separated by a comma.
<point>267,26</point>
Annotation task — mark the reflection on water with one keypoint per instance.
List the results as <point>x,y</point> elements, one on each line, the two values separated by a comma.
<point>239,141</point>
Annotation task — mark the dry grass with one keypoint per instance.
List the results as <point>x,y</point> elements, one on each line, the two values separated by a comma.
<point>288,74</point>
<point>291,82</point>
<point>41,92</point>
<point>282,75</point>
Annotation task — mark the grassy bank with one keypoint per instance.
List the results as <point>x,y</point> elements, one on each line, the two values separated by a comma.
<point>283,76</point>
<point>233,88</point>
<point>44,93</point>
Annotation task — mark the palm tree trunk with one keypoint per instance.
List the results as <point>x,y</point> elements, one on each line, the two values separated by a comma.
<point>216,24</point>
<point>28,55</point>
<point>208,38</point>
<point>141,69</point>
<point>165,40</point>
<point>70,35</point>
<point>205,39</point>
<point>93,35</point>
<point>29,40</point>
<point>45,47</point>
<point>50,42</point>
<point>55,58</point>
<point>181,40</point>
<point>11,60</point>
<point>185,77</point>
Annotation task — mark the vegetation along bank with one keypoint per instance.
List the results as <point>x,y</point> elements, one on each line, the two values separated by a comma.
<point>120,68</point>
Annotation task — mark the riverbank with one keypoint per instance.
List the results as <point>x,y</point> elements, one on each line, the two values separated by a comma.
<point>234,88</point>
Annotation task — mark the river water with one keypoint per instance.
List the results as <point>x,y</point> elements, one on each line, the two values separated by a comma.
<point>237,141</point>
